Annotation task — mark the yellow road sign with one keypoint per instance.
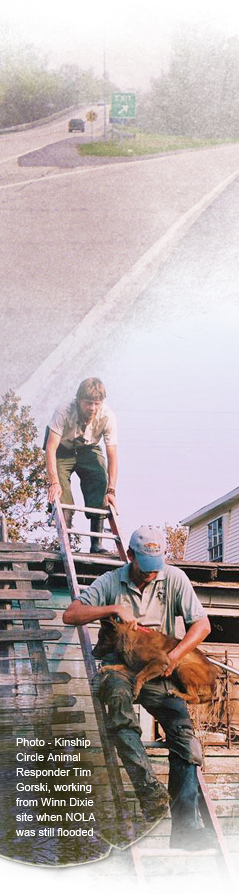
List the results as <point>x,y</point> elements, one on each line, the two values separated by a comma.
<point>91,116</point>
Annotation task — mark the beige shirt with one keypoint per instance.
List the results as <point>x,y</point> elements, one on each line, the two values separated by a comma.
<point>65,423</point>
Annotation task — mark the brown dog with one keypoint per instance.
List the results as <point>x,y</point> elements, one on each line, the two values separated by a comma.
<point>145,652</point>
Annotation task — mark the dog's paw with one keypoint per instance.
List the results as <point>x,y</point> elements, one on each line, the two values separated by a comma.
<point>160,672</point>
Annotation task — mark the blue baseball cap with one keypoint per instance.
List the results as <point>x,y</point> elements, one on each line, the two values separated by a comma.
<point>148,544</point>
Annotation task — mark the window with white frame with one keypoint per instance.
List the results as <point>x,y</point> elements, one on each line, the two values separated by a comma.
<point>215,540</point>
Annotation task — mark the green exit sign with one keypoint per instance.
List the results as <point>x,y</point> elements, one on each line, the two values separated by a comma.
<point>123,105</point>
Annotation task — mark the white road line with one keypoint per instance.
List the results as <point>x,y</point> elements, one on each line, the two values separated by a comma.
<point>9,158</point>
<point>87,169</point>
<point>49,382</point>
<point>92,169</point>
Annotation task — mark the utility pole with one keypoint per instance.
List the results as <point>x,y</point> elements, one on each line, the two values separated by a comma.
<point>104,91</point>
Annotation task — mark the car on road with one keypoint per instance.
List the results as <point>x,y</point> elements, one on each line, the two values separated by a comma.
<point>76,124</point>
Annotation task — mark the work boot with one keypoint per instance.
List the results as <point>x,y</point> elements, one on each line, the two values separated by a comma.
<point>187,834</point>
<point>97,524</point>
<point>125,732</point>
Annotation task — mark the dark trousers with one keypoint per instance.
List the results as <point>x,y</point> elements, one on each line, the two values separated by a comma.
<point>89,465</point>
<point>185,755</point>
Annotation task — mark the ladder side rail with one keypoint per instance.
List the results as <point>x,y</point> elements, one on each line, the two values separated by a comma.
<point>100,712</point>
<point>223,857</point>
<point>226,667</point>
<point>136,855</point>
<point>113,520</point>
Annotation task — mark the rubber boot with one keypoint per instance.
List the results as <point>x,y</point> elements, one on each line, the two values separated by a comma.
<point>68,515</point>
<point>187,833</point>
<point>114,690</point>
<point>152,794</point>
<point>97,524</point>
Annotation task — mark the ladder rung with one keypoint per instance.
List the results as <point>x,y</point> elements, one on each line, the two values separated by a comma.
<point>93,534</point>
<point>104,512</point>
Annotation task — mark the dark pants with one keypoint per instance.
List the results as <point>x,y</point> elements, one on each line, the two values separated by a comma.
<point>185,755</point>
<point>89,465</point>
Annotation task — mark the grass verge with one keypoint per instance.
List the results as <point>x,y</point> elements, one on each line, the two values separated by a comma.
<point>144,144</point>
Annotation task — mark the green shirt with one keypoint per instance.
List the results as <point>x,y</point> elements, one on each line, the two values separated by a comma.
<point>169,595</point>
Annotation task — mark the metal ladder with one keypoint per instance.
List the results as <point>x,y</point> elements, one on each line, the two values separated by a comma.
<point>222,856</point>
<point>109,752</point>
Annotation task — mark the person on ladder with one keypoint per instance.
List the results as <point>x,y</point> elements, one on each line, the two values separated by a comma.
<point>148,591</point>
<point>72,445</point>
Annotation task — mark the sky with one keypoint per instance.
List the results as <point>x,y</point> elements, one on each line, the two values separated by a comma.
<point>79,35</point>
<point>136,34</point>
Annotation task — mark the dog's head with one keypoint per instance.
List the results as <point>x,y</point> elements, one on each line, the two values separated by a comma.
<point>107,637</point>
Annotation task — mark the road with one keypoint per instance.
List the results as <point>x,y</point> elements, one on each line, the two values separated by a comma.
<point>69,236</point>
<point>14,144</point>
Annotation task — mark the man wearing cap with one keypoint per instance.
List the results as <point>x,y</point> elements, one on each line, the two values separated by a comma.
<point>148,591</point>
<point>72,445</point>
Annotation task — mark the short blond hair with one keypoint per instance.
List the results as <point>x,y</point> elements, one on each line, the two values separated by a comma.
<point>91,389</point>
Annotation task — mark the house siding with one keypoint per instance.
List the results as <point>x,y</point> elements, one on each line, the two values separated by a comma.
<point>197,543</point>
<point>232,540</point>
<point>196,546</point>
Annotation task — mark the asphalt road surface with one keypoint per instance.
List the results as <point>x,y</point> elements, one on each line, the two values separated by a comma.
<point>15,144</point>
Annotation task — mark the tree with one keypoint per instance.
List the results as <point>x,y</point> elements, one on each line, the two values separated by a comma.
<point>228,106</point>
<point>23,481</point>
<point>198,96</point>
<point>30,90</point>
<point>23,477</point>
<point>175,542</point>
